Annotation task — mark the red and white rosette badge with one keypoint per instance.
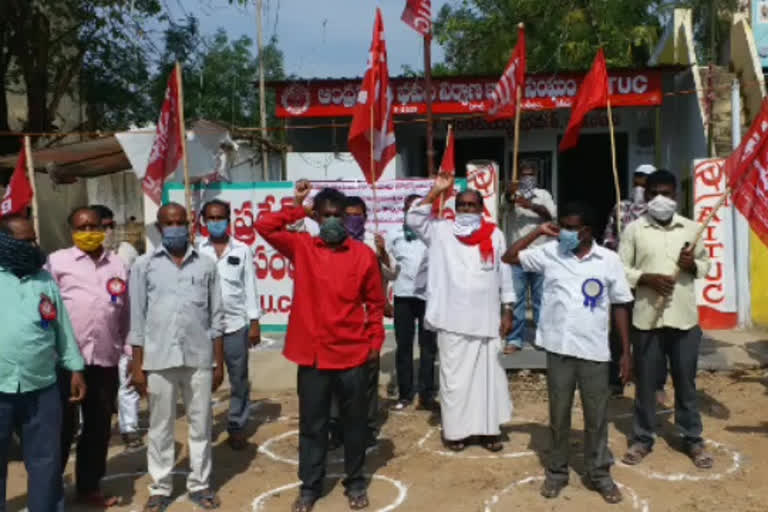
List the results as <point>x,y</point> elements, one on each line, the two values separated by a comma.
<point>116,287</point>
<point>47,311</point>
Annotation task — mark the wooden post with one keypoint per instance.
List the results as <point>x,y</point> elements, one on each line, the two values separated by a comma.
<point>616,182</point>
<point>516,146</point>
<point>373,173</point>
<point>183,139</point>
<point>33,184</point>
<point>262,94</point>
<point>428,96</point>
<point>441,199</point>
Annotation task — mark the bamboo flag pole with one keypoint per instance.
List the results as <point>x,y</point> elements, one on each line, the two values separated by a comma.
<point>615,169</point>
<point>183,140</point>
<point>518,109</point>
<point>442,197</point>
<point>373,174</point>
<point>33,184</point>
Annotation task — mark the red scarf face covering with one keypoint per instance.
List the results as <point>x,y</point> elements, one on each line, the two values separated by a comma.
<point>482,238</point>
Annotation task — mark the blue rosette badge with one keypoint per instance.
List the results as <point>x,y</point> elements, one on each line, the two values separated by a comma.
<point>592,289</point>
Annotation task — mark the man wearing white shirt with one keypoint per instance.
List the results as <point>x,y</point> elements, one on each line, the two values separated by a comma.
<point>410,289</point>
<point>468,287</point>
<point>583,284</point>
<point>234,262</point>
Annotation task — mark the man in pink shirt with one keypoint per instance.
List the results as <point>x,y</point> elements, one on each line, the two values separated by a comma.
<point>93,283</point>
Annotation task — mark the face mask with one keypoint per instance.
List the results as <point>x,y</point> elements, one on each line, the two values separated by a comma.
<point>332,231</point>
<point>527,183</point>
<point>217,228</point>
<point>109,239</point>
<point>88,241</point>
<point>175,238</point>
<point>638,195</point>
<point>466,223</point>
<point>662,208</point>
<point>410,234</point>
<point>355,226</point>
<point>19,257</point>
<point>568,240</point>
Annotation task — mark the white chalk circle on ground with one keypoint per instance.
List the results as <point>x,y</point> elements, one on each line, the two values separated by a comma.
<point>402,492</point>
<point>462,455</point>
<point>703,476</point>
<point>266,449</point>
<point>637,503</point>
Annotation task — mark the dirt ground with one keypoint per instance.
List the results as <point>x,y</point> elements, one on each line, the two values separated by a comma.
<point>412,472</point>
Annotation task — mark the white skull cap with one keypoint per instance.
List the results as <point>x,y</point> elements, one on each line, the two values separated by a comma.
<point>645,169</point>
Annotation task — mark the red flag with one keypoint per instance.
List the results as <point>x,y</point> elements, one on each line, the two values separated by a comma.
<point>747,170</point>
<point>592,94</point>
<point>374,100</point>
<point>167,150</point>
<point>418,15</point>
<point>504,98</point>
<point>18,194</point>
<point>447,166</point>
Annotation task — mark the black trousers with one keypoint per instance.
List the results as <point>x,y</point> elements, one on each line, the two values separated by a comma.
<point>316,387</point>
<point>652,349</point>
<point>408,312</point>
<point>98,407</point>
<point>372,396</point>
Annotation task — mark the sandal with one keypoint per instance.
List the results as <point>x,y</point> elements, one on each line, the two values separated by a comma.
<point>157,503</point>
<point>551,489</point>
<point>492,444</point>
<point>511,349</point>
<point>358,501</point>
<point>132,441</point>
<point>455,446</point>
<point>635,455</point>
<point>205,499</point>
<point>700,458</point>
<point>611,494</point>
<point>303,504</point>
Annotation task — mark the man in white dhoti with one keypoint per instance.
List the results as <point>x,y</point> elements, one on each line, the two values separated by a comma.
<point>467,288</point>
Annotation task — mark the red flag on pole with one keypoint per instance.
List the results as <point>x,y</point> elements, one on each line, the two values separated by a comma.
<point>592,94</point>
<point>504,97</point>
<point>373,112</point>
<point>18,194</point>
<point>418,15</point>
<point>447,166</point>
<point>167,149</point>
<point>747,170</point>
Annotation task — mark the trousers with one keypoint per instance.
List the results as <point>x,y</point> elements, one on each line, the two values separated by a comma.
<point>236,358</point>
<point>408,312</point>
<point>127,399</point>
<point>194,385</point>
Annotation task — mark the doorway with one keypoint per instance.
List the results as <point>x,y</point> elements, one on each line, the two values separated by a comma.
<point>585,173</point>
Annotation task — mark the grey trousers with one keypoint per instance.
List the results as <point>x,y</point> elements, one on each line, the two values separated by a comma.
<point>651,350</point>
<point>236,358</point>
<point>564,373</point>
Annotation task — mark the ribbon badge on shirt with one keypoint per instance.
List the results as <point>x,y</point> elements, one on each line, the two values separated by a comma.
<point>116,287</point>
<point>592,289</point>
<point>47,311</point>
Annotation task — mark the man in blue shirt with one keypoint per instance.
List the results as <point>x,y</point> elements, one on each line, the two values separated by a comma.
<point>36,337</point>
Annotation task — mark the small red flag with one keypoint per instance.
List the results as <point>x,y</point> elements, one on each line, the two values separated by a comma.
<point>592,94</point>
<point>418,15</point>
<point>18,194</point>
<point>447,166</point>
<point>374,100</point>
<point>747,171</point>
<point>504,98</point>
<point>167,150</point>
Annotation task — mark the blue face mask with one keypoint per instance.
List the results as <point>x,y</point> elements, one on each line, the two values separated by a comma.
<point>569,240</point>
<point>217,228</point>
<point>175,238</point>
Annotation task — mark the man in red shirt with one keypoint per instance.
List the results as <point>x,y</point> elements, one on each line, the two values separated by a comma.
<point>335,327</point>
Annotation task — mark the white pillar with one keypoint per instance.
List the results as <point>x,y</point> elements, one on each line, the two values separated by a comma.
<point>741,229</point>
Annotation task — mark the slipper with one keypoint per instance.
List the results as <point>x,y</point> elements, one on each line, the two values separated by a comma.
<point>358,501</point>
<point>303,505</point>
<point>492,444</point>
<point>511,349</point>
<point>551,489</point>
<point>611,494</point>
<point>205,499</point>
<point>455,446</point>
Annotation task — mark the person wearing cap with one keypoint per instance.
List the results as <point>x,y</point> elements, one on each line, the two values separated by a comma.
<point>631,210</point>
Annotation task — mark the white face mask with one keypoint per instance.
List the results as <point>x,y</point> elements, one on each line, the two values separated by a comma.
<point>638,195</point>
<point>662,208</point>
<point>467,223</point>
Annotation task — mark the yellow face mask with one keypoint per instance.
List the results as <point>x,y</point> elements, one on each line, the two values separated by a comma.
<point>88,241</point>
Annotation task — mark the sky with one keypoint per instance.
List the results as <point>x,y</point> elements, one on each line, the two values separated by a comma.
<point>319,38</point>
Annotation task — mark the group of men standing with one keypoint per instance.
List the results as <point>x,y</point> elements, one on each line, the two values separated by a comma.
<point>95,327</point>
